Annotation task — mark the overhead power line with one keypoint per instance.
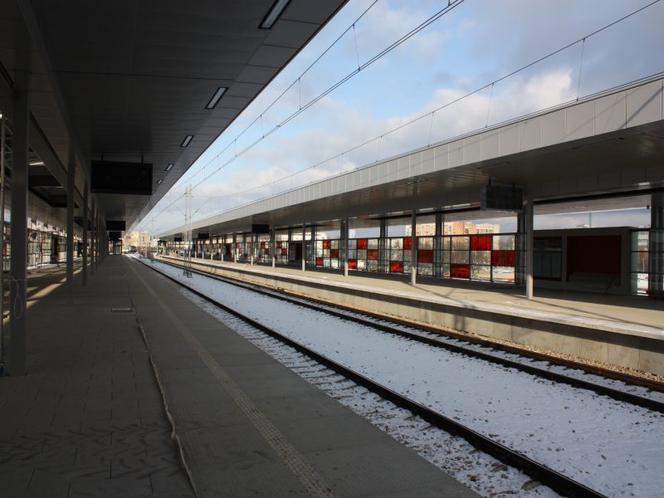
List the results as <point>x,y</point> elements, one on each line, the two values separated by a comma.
<point>429,113</point>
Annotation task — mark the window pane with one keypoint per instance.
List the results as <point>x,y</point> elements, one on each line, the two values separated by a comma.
<point>503,242</point>
<point>480,272</point>
<point>640,262</point>
<point>504,274</point>
<point>640,241</point>
<point>460,257</point>
<point>460,243</point>
<point>480,257</point>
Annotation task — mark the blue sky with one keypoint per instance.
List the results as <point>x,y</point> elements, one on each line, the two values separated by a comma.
<point>474,44</point>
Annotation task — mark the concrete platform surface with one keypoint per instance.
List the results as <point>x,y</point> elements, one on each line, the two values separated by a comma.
<point>251,427</point>
<point>633,315</point>
<point>89,418</point>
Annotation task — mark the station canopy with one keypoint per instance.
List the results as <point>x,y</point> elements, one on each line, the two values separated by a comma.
<point>145,82</point>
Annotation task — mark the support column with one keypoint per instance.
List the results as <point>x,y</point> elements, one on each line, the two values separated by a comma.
<point>19,206</point>
<point>2,235</point>
<point>528,221</point>
<point>413,248</point>
<point>656,247</point>
<point>84,244</point>
<point>382,247</point>
<point>96,240</point>
<point>93,232</point>
<point>437,246</point>
<point>71,175</point>
<point>253,249</point>
<point>288,243</point>
<point>313,246</point>
<point>273,247</point>
<point>234,248</point>
<point>344,244</point>
<point>304,247</point>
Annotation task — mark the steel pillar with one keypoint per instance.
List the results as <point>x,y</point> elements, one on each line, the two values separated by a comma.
<point>413,248</point>
<point>71,175</point>
<point>84,245</point>
<point>382,247</point>
<point>528,222</point>
<point>273,247</point>
<point>437,246</point>
<point>19,209</point>
<point>304,247</point>
<point>2,237</point>
<point>344,244</point>
<point>93,232</point>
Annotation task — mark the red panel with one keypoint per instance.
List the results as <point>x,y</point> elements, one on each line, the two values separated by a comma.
<point>460,271</point>
<point>352,264</point>
<point>425,256</point>
<point>326,244</point>
<point>407,243</point>
<point>284,251</point>
<point>361,243</point>
<point>319,261</point>
<point>480,242</point>
<point>334,253</point>
<point>396,267</point>
<point>593,254</point>
<point>372,254</point>
<point>503,258</point>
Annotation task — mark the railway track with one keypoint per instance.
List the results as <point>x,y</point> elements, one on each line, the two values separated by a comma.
<point>536,470</point>
<point>431,340</point>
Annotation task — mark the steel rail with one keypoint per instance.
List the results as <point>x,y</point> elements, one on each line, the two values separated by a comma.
<point>538,471</point>
<point>617,394</point>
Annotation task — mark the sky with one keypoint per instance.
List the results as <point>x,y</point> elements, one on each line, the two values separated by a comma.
<point>475,43</point>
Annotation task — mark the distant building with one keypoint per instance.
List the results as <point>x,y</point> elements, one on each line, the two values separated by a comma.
<point>455,228</point>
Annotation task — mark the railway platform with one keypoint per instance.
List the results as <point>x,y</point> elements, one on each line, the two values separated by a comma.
<point>618,332</point>
<point>134,390</point>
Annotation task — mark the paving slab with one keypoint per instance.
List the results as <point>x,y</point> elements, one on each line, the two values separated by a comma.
<point>87,419</point>
<point>249,426</point>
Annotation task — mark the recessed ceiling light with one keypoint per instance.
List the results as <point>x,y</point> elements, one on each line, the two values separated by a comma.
<point>169,167</point>
<point>274,13</point>
<point>159,181</point>
<point>36,163</point>
<point>215,98</point>
<point>186,140</point>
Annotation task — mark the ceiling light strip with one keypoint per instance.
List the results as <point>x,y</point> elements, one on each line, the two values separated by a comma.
<point>274,13</point>
<point>215,98</point>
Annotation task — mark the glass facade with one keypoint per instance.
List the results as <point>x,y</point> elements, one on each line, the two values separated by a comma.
<point>480,257</point>
<point>473,250</point>
<point>640,261</point>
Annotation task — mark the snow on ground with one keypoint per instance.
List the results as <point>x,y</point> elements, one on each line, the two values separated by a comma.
<point>542,364</point>
<point>608,445</point>
<point>479,471</point>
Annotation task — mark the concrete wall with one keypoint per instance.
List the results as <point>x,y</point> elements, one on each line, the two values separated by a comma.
<point>613,348</point>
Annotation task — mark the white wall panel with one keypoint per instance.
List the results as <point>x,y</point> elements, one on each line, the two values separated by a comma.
<point>610,113</point>
<point>644,104</point>
<point>580,121</point>
<point>553,128</point>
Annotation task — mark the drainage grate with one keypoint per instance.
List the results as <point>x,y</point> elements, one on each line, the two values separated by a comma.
<point>121,310</point>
